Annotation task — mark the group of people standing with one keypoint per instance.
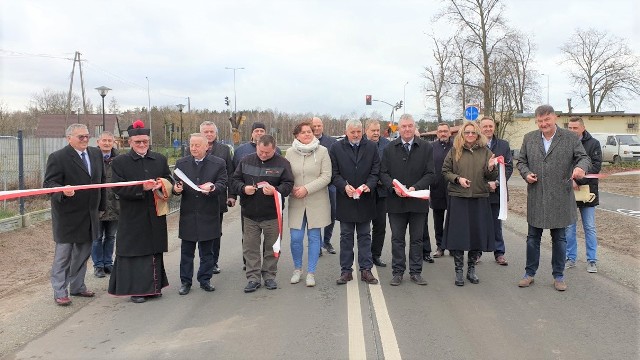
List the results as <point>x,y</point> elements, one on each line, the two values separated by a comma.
<point>357,181</point>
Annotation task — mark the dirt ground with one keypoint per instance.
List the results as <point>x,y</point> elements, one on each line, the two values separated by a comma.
<point>26,254</point>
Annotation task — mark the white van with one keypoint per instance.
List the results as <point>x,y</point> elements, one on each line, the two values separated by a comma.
<point>619,147</point>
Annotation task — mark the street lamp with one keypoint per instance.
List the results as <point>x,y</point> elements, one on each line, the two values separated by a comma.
<point>547,75</point>
<point>180,107</point>
<point>235,101</point>
<point>404,96</point>
<point>149,111</point>
<point>103,90</point>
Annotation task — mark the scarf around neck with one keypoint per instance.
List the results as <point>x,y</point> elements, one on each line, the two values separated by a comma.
<point>305,149</point>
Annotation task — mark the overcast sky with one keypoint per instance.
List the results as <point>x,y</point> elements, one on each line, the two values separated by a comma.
<point>299,56</point>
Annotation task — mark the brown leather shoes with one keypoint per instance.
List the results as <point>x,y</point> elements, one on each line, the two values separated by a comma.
<point>559,284</point>
<point>526,281</point>
<point>86,293</point>
<point>501,260</point>
<point>367,276</point>
<point>344,277</point>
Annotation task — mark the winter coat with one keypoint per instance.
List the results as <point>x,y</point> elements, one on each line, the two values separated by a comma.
<point>550,200</point>
<point>473,165</point>
<point>246,149</point>
<point>594,151</point>
<point>200,213</point>
<point>501,148</point>
<point>223,152</point>
<point>312,171</point>
<point>412,170</point>
<point>140,230</point>
<point>327,141</point>
<point>251,171</point>
<point>438,195</point>
<point>112,210</point>
<point>381,190</point>
<point>75,219</point>
<point>347,169</point>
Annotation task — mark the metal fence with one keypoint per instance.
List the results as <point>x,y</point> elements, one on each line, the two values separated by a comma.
<point>36,152</point>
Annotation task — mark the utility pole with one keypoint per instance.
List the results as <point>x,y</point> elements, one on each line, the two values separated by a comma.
<point>76,58</point>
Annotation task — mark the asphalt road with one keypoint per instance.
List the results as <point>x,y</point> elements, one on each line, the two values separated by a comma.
<point>596,318</point>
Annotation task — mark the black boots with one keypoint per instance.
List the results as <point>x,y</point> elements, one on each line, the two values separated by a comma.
<point>471,266</point>
<point>458,260</point>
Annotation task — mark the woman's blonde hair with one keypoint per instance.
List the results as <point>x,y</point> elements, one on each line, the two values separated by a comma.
<point>458,142</point>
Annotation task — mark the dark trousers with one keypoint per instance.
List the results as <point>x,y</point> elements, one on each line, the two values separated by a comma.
<point>558,250</point>
<point>328,230</point>
<point>438,225</point>
<point>497,230</point>
<point>379,226</point>
<point>215,248</point>
<point>398,223</point>
<point>187,253</point>
<point>426,239</point>
<point>363,229</point>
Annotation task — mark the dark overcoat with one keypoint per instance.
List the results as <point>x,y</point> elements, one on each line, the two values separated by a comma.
<point>412,170</point>
<point>200,213</point>
<point>347,169</point>
<point>112,207</point>
<point>223,152</point>
<point>75,219</point>
<point>550,200</point>
<point>594,151</point>
<point>501,147</point>
<point>140,231</point>
<point>438,189</point>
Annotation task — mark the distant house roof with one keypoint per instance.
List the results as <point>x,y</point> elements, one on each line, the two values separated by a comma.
<point>54,125</point>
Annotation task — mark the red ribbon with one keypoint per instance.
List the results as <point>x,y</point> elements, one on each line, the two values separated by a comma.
<point>13,194</point>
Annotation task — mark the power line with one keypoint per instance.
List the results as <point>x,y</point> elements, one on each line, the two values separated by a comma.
<point>18,54</point>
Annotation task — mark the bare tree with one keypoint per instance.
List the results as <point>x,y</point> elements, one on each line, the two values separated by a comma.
<point>436,86</point>
<point>484,25</point>
<point>50,101</point>
<point>113,108</point>
<point>602,66</point>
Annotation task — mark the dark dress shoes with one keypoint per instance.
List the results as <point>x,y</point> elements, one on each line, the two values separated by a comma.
<point>216,269</point>
<point>378,262</point>
<point>207,287</point>
<point>184,289</point>
<point>251,286</point>
<point>86,293</point>
<point>438,253</point>
<point>418,279</point>
<point>329,248</point>
<point>397,280</point>
<point>108,269</point>
<point>344,277</point>
<point>138,299</point>
<point>428,258</point>
<point>99,272</point>
<point>63,301</point>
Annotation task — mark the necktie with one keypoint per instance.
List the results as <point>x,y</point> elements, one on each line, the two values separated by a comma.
<point>86,163</point>
<point>406,147</point>
<point>355,148</point>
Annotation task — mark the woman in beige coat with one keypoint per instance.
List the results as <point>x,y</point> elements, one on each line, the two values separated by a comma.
<point>309,201</point>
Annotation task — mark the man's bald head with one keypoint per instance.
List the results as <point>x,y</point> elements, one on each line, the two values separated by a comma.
<point>317,127</point>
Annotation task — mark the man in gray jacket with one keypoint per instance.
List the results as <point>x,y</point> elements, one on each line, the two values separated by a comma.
<point>546,162</point>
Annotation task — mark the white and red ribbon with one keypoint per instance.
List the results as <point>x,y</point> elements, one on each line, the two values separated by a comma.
<point>277,198</point>
<point>419,194</point>
<point>502,214</point>
<point>602,176</point>
<point>14,194</point>
<point>359,191</point>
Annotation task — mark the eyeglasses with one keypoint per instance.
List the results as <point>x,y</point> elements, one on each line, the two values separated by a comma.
<point>83,137</point>
<point>141,142</point>
<point>470,133</point>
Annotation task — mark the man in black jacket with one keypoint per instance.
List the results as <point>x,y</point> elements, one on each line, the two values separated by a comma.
<point>255,179</point>
<point>438,195</point>
<point>355,166</point>
<point>409,160</point>
<point>587,209</point>
<point>215,148</point>
<point>327,141</point>
<point>498,147</point>
<point>199,216</point>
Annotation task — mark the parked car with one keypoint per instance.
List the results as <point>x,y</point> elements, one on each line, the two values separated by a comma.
<point>617,148</point>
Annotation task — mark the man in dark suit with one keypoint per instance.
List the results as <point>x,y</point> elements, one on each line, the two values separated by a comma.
<point>215,148</point>
<point>409,160</point>
<point>438,196</point>
<point>355,166</point>
<point>327,141</point>
<point>498,147</point>
<point>74,215</point>
<point>199,211</point>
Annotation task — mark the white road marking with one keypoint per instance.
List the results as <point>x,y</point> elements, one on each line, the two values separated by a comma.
<point>388,339</point>
<point>357,348</point>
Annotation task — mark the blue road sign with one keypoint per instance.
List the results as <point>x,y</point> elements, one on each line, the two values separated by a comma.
<point>471,112</point>
<point>176,143</point>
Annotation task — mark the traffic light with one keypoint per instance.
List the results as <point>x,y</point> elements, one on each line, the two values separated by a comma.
<point>399,106</point>
<point>226,100</point>
<point>368,99</point>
